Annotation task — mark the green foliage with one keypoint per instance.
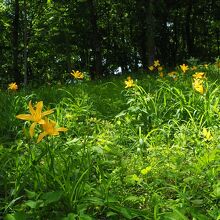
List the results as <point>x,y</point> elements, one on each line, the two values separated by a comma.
<point>60,36</point>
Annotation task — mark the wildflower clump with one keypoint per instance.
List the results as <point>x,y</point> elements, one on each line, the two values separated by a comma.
<point>38,117</point>
<point>13,86</point>
<point>129,83</point>
<point>157,68</point>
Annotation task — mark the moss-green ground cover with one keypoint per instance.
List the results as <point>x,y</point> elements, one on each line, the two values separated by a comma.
<point>146,152</point>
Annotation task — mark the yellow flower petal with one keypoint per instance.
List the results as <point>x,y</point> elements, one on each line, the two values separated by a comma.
<point>41,122</point>
<point>39,107</point>
<point>32,129</point>
<point>62,129</point>
<point>47,112</point>
<point>54,133</point>
<point>41,136</point>
<point>24,117</point>
<point>31,108</point>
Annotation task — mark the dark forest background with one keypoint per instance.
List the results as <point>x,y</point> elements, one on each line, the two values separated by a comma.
<point>44,40</point>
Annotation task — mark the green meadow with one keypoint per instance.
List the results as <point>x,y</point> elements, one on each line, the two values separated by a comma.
<point>97,150</point>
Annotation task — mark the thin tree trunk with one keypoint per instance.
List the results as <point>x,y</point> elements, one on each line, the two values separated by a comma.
<point>142,38</point>
<point>96,44</point>
<point>175,41</point>
<point>15,42</point>
<point>150,35</point>
<point>25,43</point>
<point>189,38</point>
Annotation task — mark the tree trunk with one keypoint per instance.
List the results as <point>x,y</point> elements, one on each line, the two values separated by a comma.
<point>96,41</point>
<point>25,43</point>
<point>15,42</point>
<point>142,36</point>
<point>189,37</point>
<point>150,33</point>
<point>147,26</point>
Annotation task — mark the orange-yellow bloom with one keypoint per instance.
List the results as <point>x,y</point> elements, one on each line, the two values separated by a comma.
<point>198,86</point>
<point>160,68</point>
<point>77,74</point>
<point>173,75</point>
<point>151,68</point>
<point>184,67</point>
<point>161,74</point>
<point>199,75</point>
<point>36,116</point>
<point>129,82</point>
<point>49,128</point>
<point>156,63</point>
<point>193,68</point>
<point>13,86</point>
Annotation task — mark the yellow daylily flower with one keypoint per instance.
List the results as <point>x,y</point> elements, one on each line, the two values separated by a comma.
<point>193,68</point>
<point>129,82</point>
<point>172,74</point>
<point>161,74</point>
<point>156,63</point>
<point>151,68</point>
<point>199,75</point>
<point>13,86</point>
<point>198,86</point>
<point>49,128</point>
<point>36,116</point>
<point>77,74</point>
<point>160,68</point>
<point>184,67</point>
<point>206,66</point>
<point>207,134</point>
